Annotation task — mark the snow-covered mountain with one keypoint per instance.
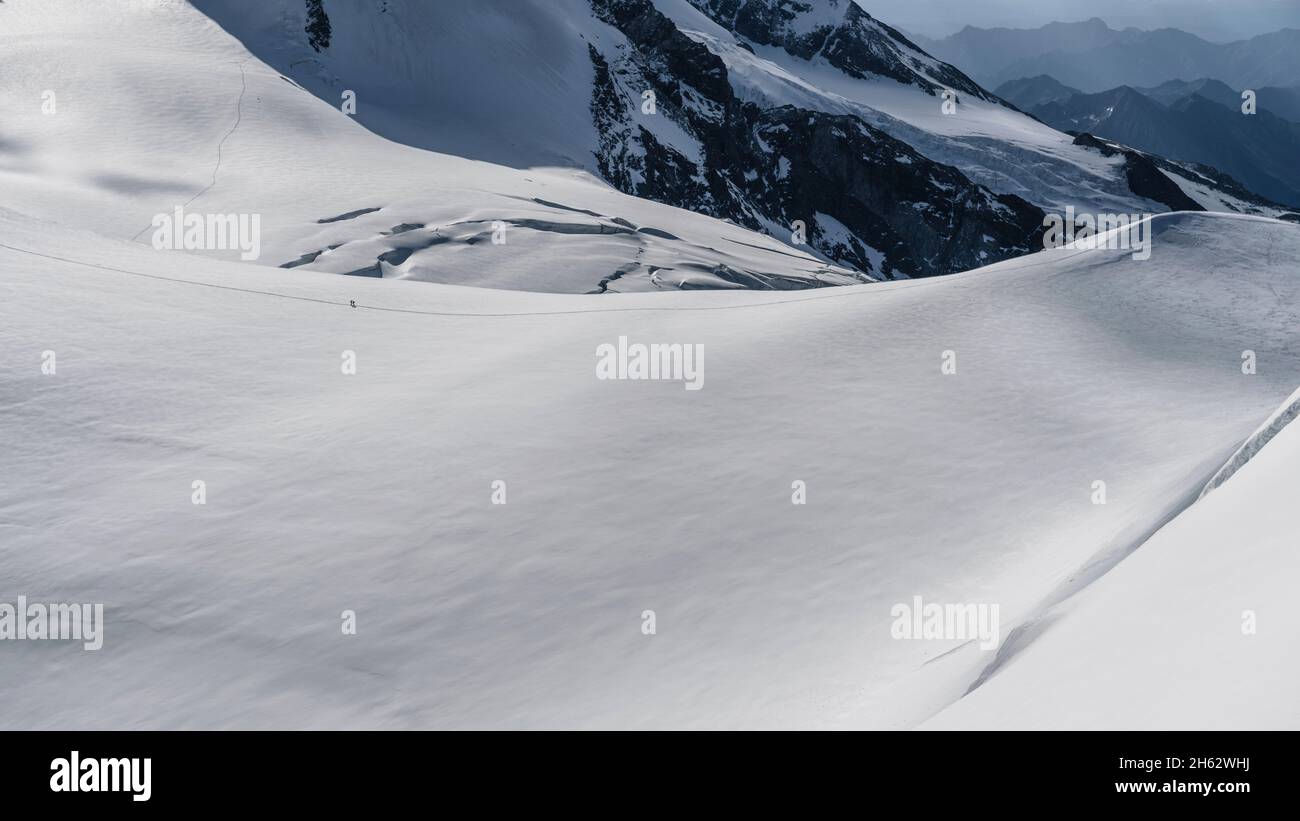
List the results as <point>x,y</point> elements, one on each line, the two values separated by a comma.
<point>430,76</point>
<point>156,106</point>
<point>846,148</point>
<point>1204,125</point>
<point>1093,57</point>
<point>770,114</point>
<point>1027,92</point>
<point>844,35</point>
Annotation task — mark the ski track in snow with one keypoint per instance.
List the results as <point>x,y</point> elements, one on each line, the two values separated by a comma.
<point>840,293</point>
<point>216,169</point>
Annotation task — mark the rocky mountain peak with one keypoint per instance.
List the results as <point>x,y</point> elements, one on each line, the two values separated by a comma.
<point>844,35</point>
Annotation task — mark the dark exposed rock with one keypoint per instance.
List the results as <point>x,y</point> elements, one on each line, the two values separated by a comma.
<point>926,218</point>
<point>868,200</point>
<point>1144,176</point>
<point>844,35</point>
<point>318,26</point>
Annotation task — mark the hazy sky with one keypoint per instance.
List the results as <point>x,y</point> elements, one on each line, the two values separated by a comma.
<point>1218,20</point>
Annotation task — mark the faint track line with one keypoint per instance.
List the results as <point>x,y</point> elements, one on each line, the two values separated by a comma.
<point>239,117</point>
<point>842,292</point>
<point>839,292</point>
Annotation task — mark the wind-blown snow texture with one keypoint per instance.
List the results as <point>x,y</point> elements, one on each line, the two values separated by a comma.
<point>371,492</point>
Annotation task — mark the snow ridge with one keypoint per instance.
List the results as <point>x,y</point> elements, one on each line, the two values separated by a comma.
<point>1279,419</point>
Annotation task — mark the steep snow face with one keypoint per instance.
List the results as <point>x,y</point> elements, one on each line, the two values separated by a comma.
<point>372,491</point>
<point>155,106</point>
<point>504,81</point>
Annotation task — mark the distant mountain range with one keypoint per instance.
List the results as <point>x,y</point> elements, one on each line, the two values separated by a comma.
<point>1198,121</point>
<point>1093,57</point>
<point>1029,93</point>
<point>1283,102</point>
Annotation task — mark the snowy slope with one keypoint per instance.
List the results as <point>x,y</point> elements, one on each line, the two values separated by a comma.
<point>224,107</point>
<point>157,107</point>
<point>1213,195</point>
<point>1196,630</point>
<point>504,81</point>
<point>372,492</point>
